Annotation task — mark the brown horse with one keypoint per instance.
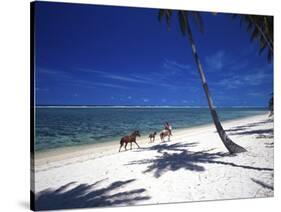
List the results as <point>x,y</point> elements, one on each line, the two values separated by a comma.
<point>152,137</point>
<point>165,133</point>
<point>129,139</point>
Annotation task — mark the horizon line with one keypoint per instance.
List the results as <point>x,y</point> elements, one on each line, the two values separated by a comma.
<point>160,106</point>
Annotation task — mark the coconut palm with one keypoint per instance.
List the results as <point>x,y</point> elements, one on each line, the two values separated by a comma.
<point>270,105</point>
<point>184,21</point>
<point>261,30</point>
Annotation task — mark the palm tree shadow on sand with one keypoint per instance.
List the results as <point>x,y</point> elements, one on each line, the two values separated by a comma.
<point>85,195</point>
<point>247,130</point>
<point>176,156</point>
<point>263,184</point>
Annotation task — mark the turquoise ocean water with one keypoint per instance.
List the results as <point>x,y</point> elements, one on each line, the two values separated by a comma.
<point>66,126</point>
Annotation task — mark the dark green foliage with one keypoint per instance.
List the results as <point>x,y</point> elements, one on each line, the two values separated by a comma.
<point>198,20</point>
<point>260,29</point>
<point>186,31</point>
<point>270,105</point>
<point>166,14</point>
<point>183,19</point>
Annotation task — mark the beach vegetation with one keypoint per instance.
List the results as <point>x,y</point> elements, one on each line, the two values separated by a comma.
<point>261,30</point>
<point>270,105</point>
<point>184,18</point>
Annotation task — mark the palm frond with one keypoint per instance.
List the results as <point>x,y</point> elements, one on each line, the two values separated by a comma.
<point>182,15</point>
<point>271,103</point>
<point>262,45</point>
<point>198,20</point>
<point>261,30</point>
<point>255,34</point>
<point>161,14</point>
<point>182,18</point>
<point>269,56</point>
<point>168,14</point>
<point>165,13</point>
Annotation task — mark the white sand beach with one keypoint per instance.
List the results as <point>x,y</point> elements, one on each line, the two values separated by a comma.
<point>193,166</point>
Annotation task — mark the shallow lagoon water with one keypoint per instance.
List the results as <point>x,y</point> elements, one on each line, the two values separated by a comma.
<point>67,126</point>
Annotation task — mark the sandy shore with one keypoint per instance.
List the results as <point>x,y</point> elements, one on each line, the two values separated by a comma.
<point>193,166</point>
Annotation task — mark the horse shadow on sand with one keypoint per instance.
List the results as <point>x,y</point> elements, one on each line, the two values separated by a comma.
<point>177,156</point>
<point>88,195</point>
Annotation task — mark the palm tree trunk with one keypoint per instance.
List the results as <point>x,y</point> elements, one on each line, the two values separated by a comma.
<point>228,143</point>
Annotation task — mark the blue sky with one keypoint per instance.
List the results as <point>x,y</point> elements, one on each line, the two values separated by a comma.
<point>100,55</point>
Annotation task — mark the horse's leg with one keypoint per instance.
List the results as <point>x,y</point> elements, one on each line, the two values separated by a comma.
<point>136,144</point>
<point>131,145</point>
<point>126,146</point>
<point>121,144</point>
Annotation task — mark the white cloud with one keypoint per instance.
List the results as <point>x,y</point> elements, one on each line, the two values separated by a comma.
<point>89,84</point>
<point>117,77</point>
<point>154,78</point>
<point>171,64</point>
<point>90,70</point>
<point>176,68</point>
<point>255,78</point>
<point>124,78</point>
<point>239,65</point>
<point>216,61</point>
<point>256,94</point>
<point>54,73</point>
<point>42,89</point>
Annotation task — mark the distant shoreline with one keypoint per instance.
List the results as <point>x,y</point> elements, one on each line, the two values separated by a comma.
<point>110,147</point>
